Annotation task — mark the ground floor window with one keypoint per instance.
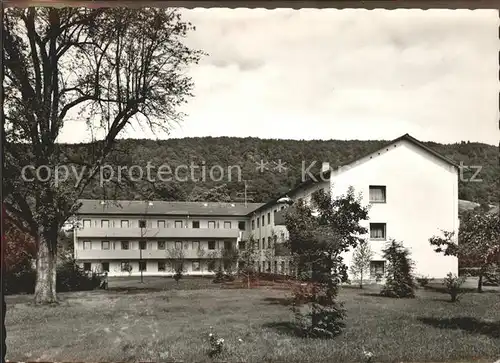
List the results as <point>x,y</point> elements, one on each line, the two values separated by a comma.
<point>126,267</point>
<point>86,266</point>
<point>377,269</point>
<point>196,265</point>
<point>105,266</point>
<point>283,267</point>
<point>142,265</point>
<point>161,266</point>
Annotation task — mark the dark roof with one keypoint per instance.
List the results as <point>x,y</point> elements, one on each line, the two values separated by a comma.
<point>136,207</point>
<point>327,174</point>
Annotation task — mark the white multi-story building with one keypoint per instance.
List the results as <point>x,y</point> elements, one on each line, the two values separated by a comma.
<point>411,190</point>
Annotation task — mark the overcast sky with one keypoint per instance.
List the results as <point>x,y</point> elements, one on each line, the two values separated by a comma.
<point>341,74</point>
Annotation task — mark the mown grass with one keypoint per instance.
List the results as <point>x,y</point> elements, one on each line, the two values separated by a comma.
<point>160,320</point>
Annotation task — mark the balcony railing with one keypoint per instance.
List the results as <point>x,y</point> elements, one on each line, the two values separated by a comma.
<point>145,254</point>
<point>179,233</point>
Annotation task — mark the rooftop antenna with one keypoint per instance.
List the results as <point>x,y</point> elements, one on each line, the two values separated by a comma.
<point>246,195</point>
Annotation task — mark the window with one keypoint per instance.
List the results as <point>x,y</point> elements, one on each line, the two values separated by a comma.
<point>87,245</point>
<point>253,223</point>
<point>227,245</point>
<point>377,194</point>
<point>196,265</point>
<point>124,224</point>
<point>268,242</point>
<point>126,267</point>
<point>104,223</point>
<point>377,231</point>
<point>142,265</point>
<point>142,245</point>
<point>241,225</point>
<point>105,267</point>
<point>161,245</point>
<point>105,245</point>
<point>178,224</point>
<point>377,269</point>
<point>211,224</point>
<point>258,222</point>
<point>86,266</point>
<point>87,223</point>
<point>282,267</point>
<point>263,243</point>
<point>178,245</point>
<point>275,239</point>
<point>268,218</point>
<point>275,267</point>
<point>161,266</point>
<point>263,221</point>
<point>282,236</point>
<point>186,245</point>
<point>196,224</point>
<point>142,223</point>
<point>125,245</point>
<point>282,207</point>
<point>242,245</point>
<point>227,225</point>
<point>161,224</point>
<point>196,245</point>
<point>211,245</point>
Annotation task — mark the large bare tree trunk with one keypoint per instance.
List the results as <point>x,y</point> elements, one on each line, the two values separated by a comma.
<point>45,288</point>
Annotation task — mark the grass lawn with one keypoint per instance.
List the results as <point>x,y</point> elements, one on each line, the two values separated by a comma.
<point>158,320</point>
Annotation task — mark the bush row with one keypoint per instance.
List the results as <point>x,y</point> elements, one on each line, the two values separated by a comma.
<point>70,277</point>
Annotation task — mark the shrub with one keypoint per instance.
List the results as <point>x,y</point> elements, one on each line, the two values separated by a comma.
<point>317,312</point>
<point>492,276</point>
<point>216,344</point>
<point>399,279</point>
<point>453,285</point>
<point>469,271</point>
<point>423,281</point>
<point>71,277</point>
<point>20,280</point>
<point>220,276</point>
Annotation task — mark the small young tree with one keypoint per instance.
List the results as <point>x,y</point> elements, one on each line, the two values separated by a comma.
<point>361,259</point>
<point>400,282</point>
<point>453,285</point>
<point>178,262</point>
<point>248,257</point>
<point>478,242</point>
<point>229,259</point>
<point>317,239</point>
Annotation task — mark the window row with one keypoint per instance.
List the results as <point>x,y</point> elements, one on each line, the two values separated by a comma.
<point>125,223</point>
<point>162,266</point>
<point>261,221</point>
<point>161,245</point>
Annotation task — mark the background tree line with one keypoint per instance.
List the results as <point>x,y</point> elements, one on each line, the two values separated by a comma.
<point>246,152</point>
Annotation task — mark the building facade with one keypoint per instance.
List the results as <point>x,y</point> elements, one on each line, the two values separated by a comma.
<point>411,191</point>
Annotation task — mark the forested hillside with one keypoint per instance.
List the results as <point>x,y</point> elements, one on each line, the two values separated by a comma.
<point>248,152</point>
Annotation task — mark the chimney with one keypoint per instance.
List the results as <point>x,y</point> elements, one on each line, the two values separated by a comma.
<point>325,166</point>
